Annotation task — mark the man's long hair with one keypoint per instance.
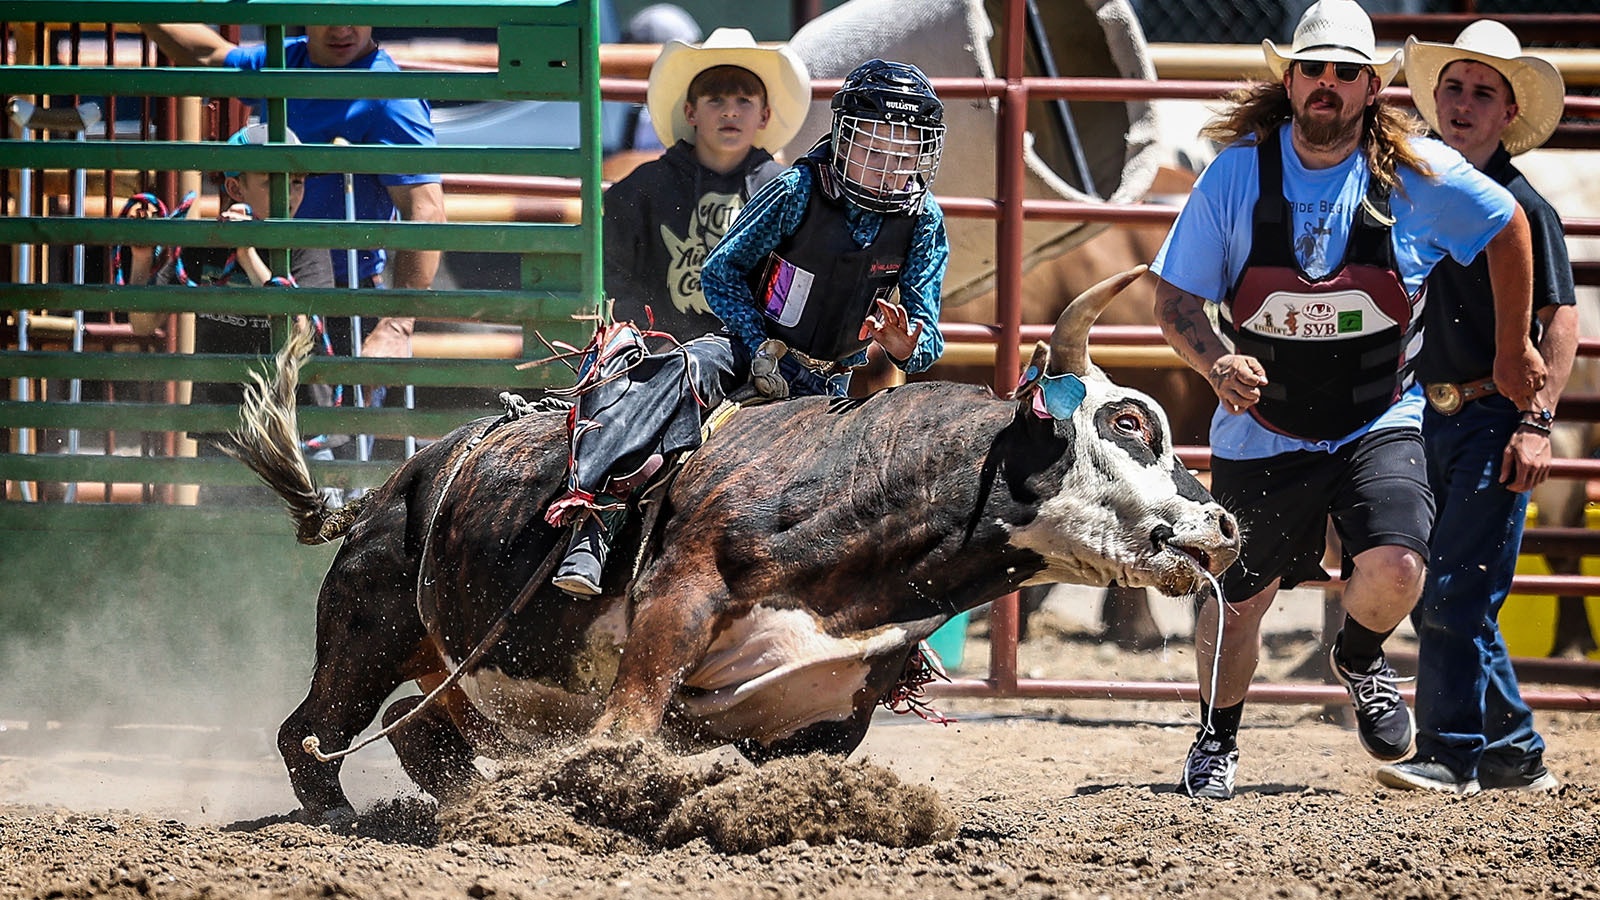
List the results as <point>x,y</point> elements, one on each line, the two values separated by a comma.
<point>1255,109</point>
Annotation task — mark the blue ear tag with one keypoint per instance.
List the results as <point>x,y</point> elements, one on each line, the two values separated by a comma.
<point>1062,394</point>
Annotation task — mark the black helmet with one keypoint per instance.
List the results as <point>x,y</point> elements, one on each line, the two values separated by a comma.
<point>888,135</point>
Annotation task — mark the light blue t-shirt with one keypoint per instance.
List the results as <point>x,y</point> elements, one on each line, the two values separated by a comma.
<point>1456,212</point>
<point>396,121</point>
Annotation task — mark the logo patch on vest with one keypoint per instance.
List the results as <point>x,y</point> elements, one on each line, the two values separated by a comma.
<point>1320,316</point>
<point>787,290</point>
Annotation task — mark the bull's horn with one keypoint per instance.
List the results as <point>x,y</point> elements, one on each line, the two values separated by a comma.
<point>1069,342</point>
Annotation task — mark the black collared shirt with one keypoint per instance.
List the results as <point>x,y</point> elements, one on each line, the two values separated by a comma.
<point>1458,322</point>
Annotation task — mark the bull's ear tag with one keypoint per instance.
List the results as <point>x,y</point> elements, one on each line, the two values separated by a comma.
<point>1062,394</point>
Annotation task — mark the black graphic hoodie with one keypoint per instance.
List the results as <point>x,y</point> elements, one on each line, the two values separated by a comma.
<point>660,222</point>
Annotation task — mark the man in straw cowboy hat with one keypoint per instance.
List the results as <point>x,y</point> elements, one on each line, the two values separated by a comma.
<point>1486,99</point>
<point>720,108</point>
<point>844,249</point>
<point>1313,232</point>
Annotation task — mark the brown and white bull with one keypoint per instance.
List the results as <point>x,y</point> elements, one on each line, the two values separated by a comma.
<point>796,561</point>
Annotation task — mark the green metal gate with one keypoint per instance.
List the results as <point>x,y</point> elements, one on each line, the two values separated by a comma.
<point>76,576</point>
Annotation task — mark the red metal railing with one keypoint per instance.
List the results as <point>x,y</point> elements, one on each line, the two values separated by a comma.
<point>1010,208</point>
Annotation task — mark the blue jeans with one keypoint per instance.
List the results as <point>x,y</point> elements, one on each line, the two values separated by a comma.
<point>1468,705</point>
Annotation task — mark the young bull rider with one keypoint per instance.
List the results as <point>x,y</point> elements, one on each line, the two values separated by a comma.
<point>804,281</point>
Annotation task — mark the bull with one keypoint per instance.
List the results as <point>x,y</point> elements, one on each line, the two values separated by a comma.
<point>770,597</point>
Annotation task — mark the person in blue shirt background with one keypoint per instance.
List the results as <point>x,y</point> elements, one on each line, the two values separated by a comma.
<point>413,198</point>
<point>1312,233</point>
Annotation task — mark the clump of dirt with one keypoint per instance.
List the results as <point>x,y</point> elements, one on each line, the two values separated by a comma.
<point>819,799</point>
<point>597,797</point>
<point>607,797</point>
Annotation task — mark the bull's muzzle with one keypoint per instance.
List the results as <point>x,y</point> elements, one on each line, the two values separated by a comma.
<point>1212,543</point>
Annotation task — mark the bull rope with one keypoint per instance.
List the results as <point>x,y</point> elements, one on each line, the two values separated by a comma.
<point>1216,650</point>
<point>313,744</point>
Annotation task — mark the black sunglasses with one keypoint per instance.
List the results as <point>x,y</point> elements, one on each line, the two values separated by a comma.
<point>1345,72</point>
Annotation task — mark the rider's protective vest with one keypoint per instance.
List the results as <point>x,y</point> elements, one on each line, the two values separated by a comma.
<point>817,287</point>
<point>1335,350</point>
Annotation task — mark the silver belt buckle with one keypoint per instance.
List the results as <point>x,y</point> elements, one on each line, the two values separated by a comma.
<point>1445,398</point>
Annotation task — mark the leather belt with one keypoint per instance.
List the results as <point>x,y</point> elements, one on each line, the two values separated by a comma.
<point>1447,399</point>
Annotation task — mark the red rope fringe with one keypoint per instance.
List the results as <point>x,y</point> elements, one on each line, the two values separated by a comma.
<point>910,694</point>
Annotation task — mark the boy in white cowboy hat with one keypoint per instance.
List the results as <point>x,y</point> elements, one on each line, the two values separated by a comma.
<point>1313,232</point>
<point>1487,100</point>
<point>720,108</point>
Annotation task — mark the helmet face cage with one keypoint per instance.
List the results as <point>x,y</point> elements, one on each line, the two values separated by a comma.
<point>885,166</point>
<point>888,136</point>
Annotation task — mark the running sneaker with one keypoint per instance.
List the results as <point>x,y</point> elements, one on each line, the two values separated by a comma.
<point>1420,774</point>
<point>1209,769</point>
<point>1382,719</point>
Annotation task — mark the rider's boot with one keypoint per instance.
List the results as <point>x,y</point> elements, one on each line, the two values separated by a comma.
<point>585,562</point>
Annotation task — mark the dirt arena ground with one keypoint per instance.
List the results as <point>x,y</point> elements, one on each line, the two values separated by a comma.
<point>1017,799</point>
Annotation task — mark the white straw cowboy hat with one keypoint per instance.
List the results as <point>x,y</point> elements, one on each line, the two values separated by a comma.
<point>1337,31</point>
<point>1535,83</point>
<point>780,70</point>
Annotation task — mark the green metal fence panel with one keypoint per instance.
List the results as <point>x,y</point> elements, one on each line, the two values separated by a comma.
<point>548,50</point>
<point>217,155</point>
<point>482,236</point>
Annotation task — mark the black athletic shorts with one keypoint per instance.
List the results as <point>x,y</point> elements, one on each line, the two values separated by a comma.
<point>1375,488</point>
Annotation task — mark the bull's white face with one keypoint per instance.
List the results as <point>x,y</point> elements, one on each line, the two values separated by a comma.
<point>1127,510</point>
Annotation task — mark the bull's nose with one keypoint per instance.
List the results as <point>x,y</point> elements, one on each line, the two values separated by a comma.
<point>1227,526</point>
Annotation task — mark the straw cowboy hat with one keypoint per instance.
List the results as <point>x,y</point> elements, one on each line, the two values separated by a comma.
<point>1334,31</point>
<point>781,70</point>
<point>1535,83</point>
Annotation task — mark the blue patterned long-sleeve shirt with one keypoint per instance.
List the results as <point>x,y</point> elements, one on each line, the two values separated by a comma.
<point>773,214</point>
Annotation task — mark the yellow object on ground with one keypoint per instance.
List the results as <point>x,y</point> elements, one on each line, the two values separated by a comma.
<point>1591,566</point>
<point>1528,621</point>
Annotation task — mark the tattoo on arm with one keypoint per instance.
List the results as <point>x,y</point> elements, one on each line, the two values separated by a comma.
<point>1189,323</point>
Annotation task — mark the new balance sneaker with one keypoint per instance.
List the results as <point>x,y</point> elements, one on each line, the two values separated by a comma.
<point>1529,775</point>
<point>1420,774</point>
<point>585,561</point>
<point>1209,769</point>
<point>1382,719</point>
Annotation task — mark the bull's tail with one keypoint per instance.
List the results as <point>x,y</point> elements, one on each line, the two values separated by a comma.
<point>268,441</point>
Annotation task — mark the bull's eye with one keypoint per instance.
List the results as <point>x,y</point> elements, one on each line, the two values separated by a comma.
<point>1130,424</point>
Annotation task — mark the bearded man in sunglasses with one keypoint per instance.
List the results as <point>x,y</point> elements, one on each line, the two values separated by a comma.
<point>1318,414</point>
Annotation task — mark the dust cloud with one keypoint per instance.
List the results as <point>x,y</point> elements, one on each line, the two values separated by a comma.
<point>136,666</point>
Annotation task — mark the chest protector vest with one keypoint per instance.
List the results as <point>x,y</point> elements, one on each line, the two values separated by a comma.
<point>816,288</point>
<point>1334,350</point>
